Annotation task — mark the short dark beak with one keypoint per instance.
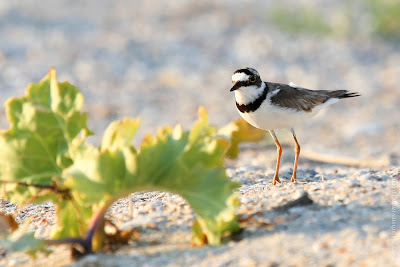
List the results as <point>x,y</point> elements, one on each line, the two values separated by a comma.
<point>236,86</point>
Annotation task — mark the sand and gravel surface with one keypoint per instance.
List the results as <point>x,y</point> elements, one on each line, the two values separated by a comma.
<point>162,60</point>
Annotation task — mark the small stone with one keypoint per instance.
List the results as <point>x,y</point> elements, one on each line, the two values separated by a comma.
<point>317,247</point>
<point>42,232</point>
<point>385,177</point>
<point>338,197</point>
<point>298,194</point>
<point>336,218</point>
<point>353,183</point>
<point>366,177</point>
<point>110,229</point>
<point>383,235</point>
<point>157,204</point>
<point>244,200</point>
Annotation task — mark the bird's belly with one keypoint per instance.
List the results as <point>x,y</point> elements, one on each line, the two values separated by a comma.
<point>270,118</point>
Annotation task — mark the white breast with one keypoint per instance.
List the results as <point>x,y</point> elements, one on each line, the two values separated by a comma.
<point>270,117</point>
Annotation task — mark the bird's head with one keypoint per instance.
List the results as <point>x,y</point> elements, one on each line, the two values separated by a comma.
<point>246,78</point>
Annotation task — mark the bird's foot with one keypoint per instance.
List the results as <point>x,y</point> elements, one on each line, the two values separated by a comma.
<point>294,179</point>
<point>276,179</point>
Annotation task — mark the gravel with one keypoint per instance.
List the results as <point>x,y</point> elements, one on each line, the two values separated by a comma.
<point>160,61</point>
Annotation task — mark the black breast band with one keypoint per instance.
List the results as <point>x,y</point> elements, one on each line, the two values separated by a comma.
<point>253,106</point>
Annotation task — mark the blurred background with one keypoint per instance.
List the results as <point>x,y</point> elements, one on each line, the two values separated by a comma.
<point>161,60</point>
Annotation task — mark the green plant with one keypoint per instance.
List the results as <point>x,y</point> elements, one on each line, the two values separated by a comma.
<point>45,157</point>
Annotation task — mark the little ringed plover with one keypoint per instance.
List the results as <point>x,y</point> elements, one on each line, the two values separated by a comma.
<point>270,106</point>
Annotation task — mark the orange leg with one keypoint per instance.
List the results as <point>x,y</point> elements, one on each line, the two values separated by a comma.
<point>296,157</point>
<point>278,162</point>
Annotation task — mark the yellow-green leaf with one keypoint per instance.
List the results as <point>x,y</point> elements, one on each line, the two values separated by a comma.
<point>36,147</point>
<point>185,163</point>
<point>238,132</point>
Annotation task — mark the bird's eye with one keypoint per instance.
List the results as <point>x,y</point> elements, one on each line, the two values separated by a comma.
<point>252,78</point>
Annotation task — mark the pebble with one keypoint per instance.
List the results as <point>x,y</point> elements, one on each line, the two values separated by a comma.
<point>298,193</point>
<point>384,235</point>
<point>384,176</point>
<point>339,197</point>
<point>353,183</point>
<point>366,177</point>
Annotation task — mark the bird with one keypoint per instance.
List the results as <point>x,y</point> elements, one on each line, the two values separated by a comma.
<point>270,106</point>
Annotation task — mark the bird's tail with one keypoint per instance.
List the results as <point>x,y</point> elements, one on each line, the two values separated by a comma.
<point>343,94</point>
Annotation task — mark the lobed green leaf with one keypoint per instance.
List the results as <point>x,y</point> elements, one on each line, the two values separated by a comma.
<point>44,156</point>
<point>36,147</point>
<point>185,163</point>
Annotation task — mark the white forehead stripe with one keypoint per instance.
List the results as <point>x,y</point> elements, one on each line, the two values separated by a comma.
<point>240,76</point>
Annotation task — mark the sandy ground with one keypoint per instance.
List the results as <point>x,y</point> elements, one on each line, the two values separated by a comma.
<point>350,222</point>
<point>160,61</point>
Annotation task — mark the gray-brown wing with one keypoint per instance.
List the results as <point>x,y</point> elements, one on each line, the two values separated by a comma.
<point>302,99</point>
